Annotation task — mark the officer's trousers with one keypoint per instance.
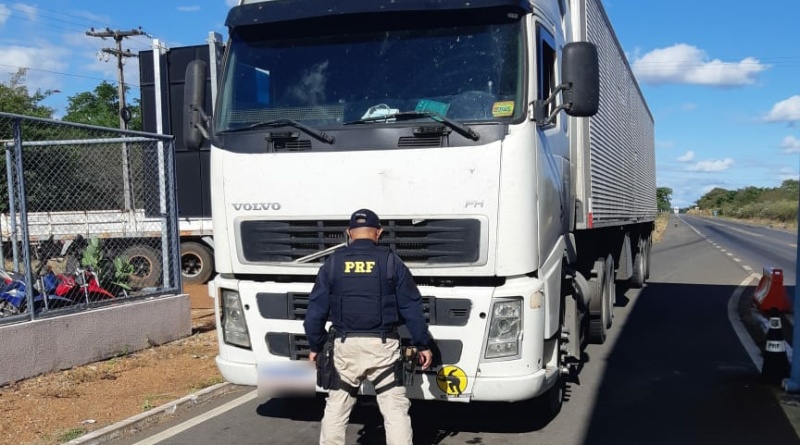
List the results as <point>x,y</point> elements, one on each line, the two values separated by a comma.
<point>359,358</point>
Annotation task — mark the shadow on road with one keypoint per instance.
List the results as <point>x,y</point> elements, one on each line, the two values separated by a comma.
<point>432,421</point>
<point>678,374</point>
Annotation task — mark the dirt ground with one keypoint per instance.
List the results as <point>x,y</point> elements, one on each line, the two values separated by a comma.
<point>62,406</point>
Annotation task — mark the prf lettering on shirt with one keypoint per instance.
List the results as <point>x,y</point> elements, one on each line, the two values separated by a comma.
<point>358,266</point>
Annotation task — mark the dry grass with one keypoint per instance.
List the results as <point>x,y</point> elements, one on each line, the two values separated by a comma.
<point>661,225</point>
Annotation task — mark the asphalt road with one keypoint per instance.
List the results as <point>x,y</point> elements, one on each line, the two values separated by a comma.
<point>752,246</point>
<point>672,371</point>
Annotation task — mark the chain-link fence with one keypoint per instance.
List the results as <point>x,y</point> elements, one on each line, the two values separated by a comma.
<point>87,217</point>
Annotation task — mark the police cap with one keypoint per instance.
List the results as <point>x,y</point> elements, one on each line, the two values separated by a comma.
<point>364,218</point>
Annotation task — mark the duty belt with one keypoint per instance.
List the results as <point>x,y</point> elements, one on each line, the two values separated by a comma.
<point>382,335</point>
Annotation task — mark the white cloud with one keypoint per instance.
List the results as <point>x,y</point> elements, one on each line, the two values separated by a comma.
<point>192,8</point>
<point>46,61</point>
<point>689,107</point>
<point>788,173</point>
<point>686,64</point>
<point>31,11</point>
<point>785,111</point>
<point>5,13</point>
<point>686,157</point>
<point>231,3</point>
<point>714,165</point>
<point>790,144</point>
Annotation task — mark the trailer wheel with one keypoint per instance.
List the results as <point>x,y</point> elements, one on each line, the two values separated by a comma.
<point>146,263</point>
<point>639,265</point>
<point>197,262</point>
<point>598,306</point>
<point>611,290</point>
<point>649,246</point>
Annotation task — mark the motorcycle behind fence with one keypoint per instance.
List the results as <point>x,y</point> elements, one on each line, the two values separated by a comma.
<point>81,285</point>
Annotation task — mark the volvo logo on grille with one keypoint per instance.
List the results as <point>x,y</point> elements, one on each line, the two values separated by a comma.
<point>255,206</point>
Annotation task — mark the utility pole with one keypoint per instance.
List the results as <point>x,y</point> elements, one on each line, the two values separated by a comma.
<point>118,36</point>
<point>124,113</point>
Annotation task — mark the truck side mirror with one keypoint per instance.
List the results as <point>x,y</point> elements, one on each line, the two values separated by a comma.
<point>580,72</point>
<point>195,121</point>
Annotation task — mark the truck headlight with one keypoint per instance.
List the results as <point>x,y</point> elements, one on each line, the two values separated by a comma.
<point>234,326</point>
<point>505,329</point>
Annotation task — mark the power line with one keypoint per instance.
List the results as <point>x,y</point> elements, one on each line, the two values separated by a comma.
<point>60,73</point>
<point>119,36</point>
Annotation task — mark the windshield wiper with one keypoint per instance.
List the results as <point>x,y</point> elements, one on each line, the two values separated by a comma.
<point>406,115</point>
<point>321,135</point>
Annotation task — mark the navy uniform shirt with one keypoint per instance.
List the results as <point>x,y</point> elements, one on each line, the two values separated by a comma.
<point>409,303</point>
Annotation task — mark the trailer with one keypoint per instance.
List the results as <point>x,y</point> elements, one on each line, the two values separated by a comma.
<point>505,145</point>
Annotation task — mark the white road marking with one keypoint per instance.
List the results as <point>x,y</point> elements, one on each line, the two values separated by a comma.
<point>737,230</point>
<point>746,268</point>
<point>738,326</point>
<point>177,429</point>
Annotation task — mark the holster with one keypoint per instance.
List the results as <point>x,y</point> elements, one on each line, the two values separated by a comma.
<point>404,368</point>
<point>326,371</point>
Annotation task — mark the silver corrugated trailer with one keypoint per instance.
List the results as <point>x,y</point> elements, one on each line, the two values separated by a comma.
<point>615,149</point>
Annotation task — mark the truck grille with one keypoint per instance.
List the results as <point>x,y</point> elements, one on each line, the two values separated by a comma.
<point>295,346</point>
<point>447,241</point>
<point>294,305</point>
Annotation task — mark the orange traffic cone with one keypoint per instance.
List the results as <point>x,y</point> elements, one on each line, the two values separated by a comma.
<point>770,294</point>
<point>776,362</point>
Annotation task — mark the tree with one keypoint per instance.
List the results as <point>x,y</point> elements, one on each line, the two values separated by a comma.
<point>56,177</point>
<point>716,198</point>
<point>15,98</point>
<point>101,107</point>
<point>664,196</point>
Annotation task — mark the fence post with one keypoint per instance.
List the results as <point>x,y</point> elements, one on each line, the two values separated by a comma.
<point>171,259</point>
<point>23,217</point>
<point>12,206</point>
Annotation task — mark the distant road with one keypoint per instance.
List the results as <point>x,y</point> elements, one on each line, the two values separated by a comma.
<point>751,246</point>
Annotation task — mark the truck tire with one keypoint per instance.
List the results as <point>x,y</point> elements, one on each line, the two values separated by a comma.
<point>598,307</point>
<point>197,262</point>
<point>147,266</point>
<point>649,246</point>
<point>639,266</point>
<point>611,290</point>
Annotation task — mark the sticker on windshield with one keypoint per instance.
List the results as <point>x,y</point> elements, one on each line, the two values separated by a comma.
<point>439,108</point>
<point>503,109</point>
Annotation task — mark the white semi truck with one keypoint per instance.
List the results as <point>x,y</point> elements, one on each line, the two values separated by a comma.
<point>466,126</point>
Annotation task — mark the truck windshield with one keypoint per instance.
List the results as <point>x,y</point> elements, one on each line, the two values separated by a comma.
<point>468,74</point>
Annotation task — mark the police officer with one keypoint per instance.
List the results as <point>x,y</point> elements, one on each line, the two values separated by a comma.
<point>366,291</point>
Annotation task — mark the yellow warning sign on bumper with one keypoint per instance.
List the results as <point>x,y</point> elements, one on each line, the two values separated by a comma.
<point>451,380</point>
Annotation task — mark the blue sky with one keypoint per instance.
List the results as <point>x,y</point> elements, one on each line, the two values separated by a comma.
<point>720,77</point>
